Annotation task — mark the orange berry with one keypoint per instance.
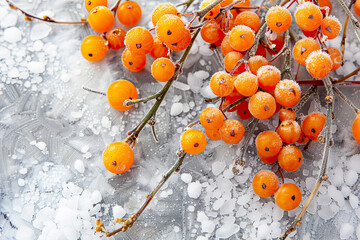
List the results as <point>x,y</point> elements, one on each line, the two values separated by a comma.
<point>243,110</point>
<point>261,51</point>
<point>303,48</point>
<point>278,19</point>
<point>241,38</point>
<point>170,28</point>
<point>268,77</point>
<point>139,40</point>
<point>287,114</point>
<point>290,158</point>
<point>231,23</point>
<point>356,128</point>
<point>232,131</point>
<point>211,32</point>
<point>231,60</point>
<point>319,64</point>
<point>288,196</point>
<point>279,44</point>
<point>116,38</point>
<point>101,19</point>
<point>133,62</point>
<point>308,16</point>
<point>129,13</point>
<point>193,141</point>
<point>159,49</point>
<point>303,139</point>
<point>162,69</point>
<point>211,118</point>
<point>161,10</point>
<point>262,105</point>
<point>118,157</point>
<point>213,134</point>
<point>226,3</point>
<point>313,124</point>
<point>249,19</point>
<point>182,44</point>
<point>90,4</point>
<point>324,3</point>
<point>221,84</point>
<point>357,7</point>
<point>246,84</point>
<point>257,62</point>
<point>265,183</point>
<point>218,42</point>
<point>214,12</point>
<point>289,131</point>
<point>225,46</point>
<point>93,48</point>
<point>331,27</point>
<point>267,160</point>
<point>118,92</point>
<point>245,3</point>
<point>268,143</point>
<point>287,93</point>
<point>336,57</point>
<point>234,96</point>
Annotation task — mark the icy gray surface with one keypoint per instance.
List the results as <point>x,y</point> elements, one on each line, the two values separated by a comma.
<point>50,127</point>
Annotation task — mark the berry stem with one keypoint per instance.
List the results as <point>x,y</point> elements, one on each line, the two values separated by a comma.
<point>324,161</point>
<point>352,18</point>
<point>115,6</point>
<point>94,91</point>
<point>149,197</point>
<point>130,102</point>
<point>186,4</point>
<point>346,100</point>
<point>30,17</point>
<point>304,98</point>
<point>355,72</point>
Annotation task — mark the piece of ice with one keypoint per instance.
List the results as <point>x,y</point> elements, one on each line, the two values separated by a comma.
<point>118,211</point>
<point>28,212</point>
<point>206,92</point>
<point>186,177</point>
<point>12,35</point>
<point>96,197</point>
<point>227,230</point>
<point>351,177</point>
<point>218,167</point>
<point>194,82</point>
<point>39,31</point>
<point>25,233</point>
<point>79,166</point>
<point>21,182</point>
<point>346,230</point>
<point>176,109</point>
<point>44,215</point>
<point>36,67</point>
<point>354,201</point>
<point>263,231</point>
<point>194,189</point>
<point>9,21</point>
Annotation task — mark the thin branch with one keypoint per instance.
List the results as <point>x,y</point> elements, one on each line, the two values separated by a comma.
<point>346,100</point>
<point>304,98</point>
<point>352,18</point>
<point>115,6</point>
<point>30,17</point>
<point>94,91</point>
<point>343,40</point>
<point>130,102</point>
<point>355,72</point>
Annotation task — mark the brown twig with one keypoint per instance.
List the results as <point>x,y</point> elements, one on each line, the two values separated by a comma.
<point>346,100</point>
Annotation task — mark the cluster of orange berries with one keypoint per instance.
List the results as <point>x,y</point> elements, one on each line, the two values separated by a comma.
<point>101,20</point>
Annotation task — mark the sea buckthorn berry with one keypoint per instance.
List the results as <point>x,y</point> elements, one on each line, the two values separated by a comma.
<point>357,7</point>
<point>211,118</point>
<point>311,34</point>
<point>193,141</point>
<point>93,48</point>
<point>257,62</point>
<point>133,62</point>
<point>303,48</point>
<point>261,51</point>
<point>226,3</point>
<point>241,38</point>
<point>245,3</point>
<point>308,16</point>
<point>303,139</point>
<point>118,92</point>
<point>262,105</point>
<point>232,131</point>
<point>265,183</point>
<point>182,44</point>
<point>290,158</point>
<point>161,10</point>
<point>90,4</point>
<point>170,28</point>
<point>319,64</point>
<point>221,84</point>
<point>214,12</point>
<point>278,19</point>
<point>267,160</point>
<point>211,32</point>
<point>159,49</point>
<point>331,27</point>
<point>287,114</point>
<point>288,196</point>
<point>289,131</point>
<point>162,69</point>
<point>101,19</point>
<point>268,143</point>
<point>356,128</point>
<point>324,3</point>
<point>213,134</point>
<point>139,40</point>
<point>226,27</point>
<point>268,77</point>
<point>218,42</point>
<point>279,44</point>
<point>313,124</point>
<point>243,110</point>
<point>225,46</point>
<point>116,38</point>
<point>287,93</point>
<point>249,19</point>
<point>129,13</point>
<point>234,96</point>
<point>246,84</point>
<point>231,60</point>
<point>336,57</point>
<point>118,157</point>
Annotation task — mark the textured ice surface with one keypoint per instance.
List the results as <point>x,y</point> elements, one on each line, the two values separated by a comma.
<point>52,133</point>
